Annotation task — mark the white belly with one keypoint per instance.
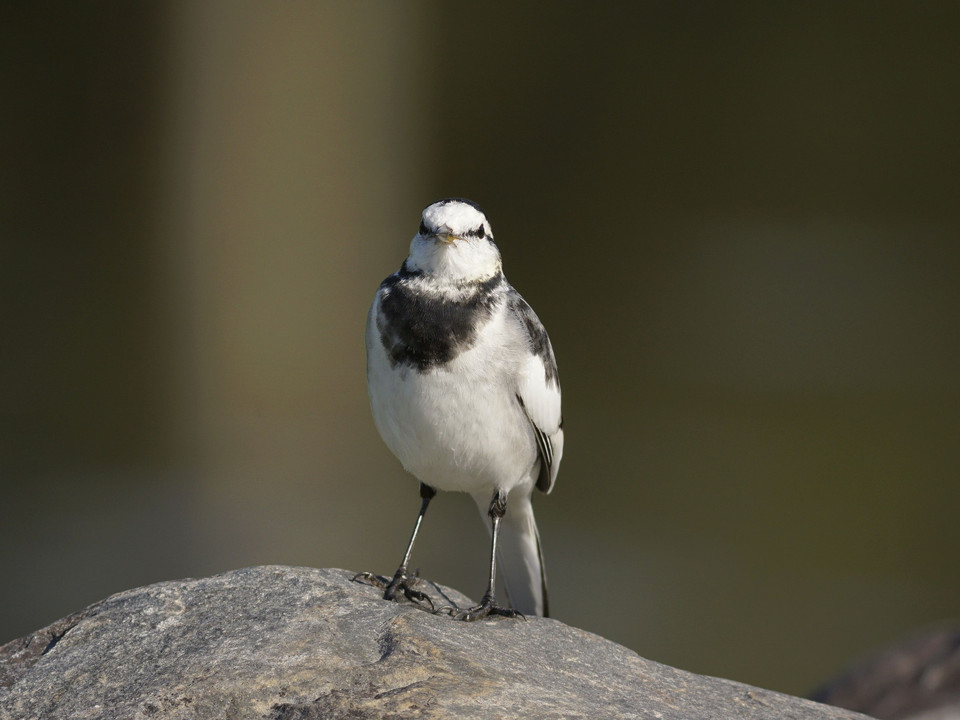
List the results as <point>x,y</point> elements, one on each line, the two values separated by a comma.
<point>459,427</point>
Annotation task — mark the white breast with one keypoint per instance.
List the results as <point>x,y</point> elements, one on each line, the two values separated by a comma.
<point>459,426</point>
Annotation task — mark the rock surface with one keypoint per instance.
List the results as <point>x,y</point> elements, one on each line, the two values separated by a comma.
<point>284,643</point>
<point>916,678</point>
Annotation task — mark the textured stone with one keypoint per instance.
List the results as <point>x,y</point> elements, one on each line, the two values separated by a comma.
<point>915,678</point>
<point>285,643</point>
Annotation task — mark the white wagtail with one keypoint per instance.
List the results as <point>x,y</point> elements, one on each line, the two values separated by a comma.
<point>464,390</point>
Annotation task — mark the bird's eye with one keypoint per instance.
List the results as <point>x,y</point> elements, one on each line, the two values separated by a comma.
<point>481,232</point>
<point>423,228</point>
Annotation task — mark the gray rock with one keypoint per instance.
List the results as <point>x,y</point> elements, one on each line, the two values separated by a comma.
<point>285,643</point>
<point>915,678</point>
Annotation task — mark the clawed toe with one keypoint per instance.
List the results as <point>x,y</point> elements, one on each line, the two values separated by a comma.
<point>487,607</point>
<point>401,583</point>
<point>405,584</point>
<point>371,579</point>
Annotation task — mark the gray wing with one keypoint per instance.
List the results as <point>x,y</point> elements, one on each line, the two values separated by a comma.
<point>539,392</point>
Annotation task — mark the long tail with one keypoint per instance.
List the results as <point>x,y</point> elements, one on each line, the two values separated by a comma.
<point>519,557</point>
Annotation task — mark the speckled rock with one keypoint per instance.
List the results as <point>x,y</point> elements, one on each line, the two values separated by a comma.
<point>914,678</point>
<point>284,643</point>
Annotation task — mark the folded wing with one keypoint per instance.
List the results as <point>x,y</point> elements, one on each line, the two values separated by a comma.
<point>538,393</point>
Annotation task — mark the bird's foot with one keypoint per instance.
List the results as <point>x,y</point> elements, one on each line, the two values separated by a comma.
<point>402,582</point>
<point>487,607</point>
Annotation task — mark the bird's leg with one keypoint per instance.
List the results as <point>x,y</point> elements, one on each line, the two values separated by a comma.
<point>402,581</point>
<point>488,605</point>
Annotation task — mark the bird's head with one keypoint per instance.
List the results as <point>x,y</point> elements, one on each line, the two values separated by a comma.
<point>454,243</point>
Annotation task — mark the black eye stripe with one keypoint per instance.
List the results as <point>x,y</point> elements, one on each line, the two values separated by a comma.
<point>479,232</point>
<point>423,228</point>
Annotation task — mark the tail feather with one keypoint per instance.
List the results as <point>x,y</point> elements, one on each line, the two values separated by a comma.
<point>519,556</point>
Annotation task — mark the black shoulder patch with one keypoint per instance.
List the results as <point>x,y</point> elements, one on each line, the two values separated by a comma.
<point>537,334</point>
<point>424,331</point>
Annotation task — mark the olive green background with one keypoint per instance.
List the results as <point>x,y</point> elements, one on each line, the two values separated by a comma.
<point>740,223</point>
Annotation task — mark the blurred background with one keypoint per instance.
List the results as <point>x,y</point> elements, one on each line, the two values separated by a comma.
<point>740,223</point>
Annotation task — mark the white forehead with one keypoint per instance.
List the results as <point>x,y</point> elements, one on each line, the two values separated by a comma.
<point>459,216</point>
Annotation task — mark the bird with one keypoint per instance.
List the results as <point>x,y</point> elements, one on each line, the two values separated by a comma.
<point>464,391</point>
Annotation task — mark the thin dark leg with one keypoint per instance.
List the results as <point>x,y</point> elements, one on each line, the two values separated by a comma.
<point>401,579</point>
<point>488,605</point>
<point>498,507</point>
